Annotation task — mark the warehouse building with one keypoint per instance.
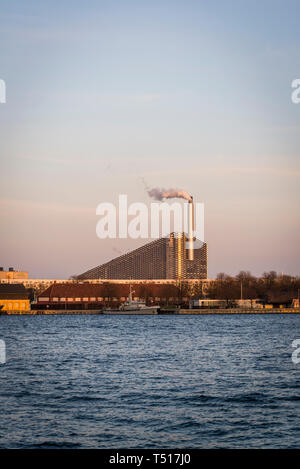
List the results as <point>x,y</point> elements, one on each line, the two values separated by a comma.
<point>14,297</point>
<point>83,295</point>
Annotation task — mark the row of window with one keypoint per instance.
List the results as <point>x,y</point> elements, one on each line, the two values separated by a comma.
<point>16,306</point>
<point>136,298</point>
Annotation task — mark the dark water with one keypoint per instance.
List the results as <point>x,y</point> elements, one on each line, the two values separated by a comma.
<point>173,382</point>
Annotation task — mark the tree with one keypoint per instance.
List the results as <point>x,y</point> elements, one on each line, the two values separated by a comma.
<point>269,276</point>
<point>110,291</point>
<point>222,276</point>
<point>197,290</point>
<point>244,276</point>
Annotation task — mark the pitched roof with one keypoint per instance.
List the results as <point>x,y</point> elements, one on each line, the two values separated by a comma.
<point>10,291</point>
<point>71,290</point>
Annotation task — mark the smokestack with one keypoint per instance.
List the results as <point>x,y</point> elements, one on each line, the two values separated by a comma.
<point>160,194</point>
<point>191,230</point>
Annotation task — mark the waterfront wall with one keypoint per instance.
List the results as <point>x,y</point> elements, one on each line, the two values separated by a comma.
<point>181,311</point>
<point>49,312</point>
<point>241,311</point>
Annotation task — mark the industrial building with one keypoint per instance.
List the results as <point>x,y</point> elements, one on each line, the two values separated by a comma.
<point>12,274</point>
<point>164,258</point>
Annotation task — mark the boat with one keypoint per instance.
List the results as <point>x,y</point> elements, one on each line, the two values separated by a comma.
<point>132,307</point>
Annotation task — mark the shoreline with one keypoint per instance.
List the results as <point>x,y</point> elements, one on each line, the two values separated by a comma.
<point>185,312</point>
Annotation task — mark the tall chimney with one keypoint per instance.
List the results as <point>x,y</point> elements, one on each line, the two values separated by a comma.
<point>191,230</point>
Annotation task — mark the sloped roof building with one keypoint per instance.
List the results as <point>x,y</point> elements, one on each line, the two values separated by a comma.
<point>14,297</point>
<point>164,258</point>
<point>86,295</point>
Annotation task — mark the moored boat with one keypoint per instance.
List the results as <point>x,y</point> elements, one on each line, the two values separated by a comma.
<point>132,307</point>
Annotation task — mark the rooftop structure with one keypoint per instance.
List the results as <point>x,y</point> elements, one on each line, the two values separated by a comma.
<point>12,274</point>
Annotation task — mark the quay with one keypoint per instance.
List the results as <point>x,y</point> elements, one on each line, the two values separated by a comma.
<point>224,311</point>
<point>50,312</point>
<point>241,311</point>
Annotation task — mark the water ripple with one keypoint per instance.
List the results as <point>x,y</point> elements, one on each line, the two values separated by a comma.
<point>173,382</point>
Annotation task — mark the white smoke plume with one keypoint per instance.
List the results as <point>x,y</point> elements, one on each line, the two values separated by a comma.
<point>160,194</point>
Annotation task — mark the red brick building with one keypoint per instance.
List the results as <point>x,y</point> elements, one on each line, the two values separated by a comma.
<point>95,296</point>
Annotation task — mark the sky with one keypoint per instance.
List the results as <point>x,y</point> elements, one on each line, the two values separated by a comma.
<point>105,97</point>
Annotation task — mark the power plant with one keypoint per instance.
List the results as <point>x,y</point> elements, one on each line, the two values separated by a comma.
<point>179,194</point>
<point>170,257</point>
<point>164,258</point>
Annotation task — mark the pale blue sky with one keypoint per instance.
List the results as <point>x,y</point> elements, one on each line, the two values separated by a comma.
<point>191,94</point>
